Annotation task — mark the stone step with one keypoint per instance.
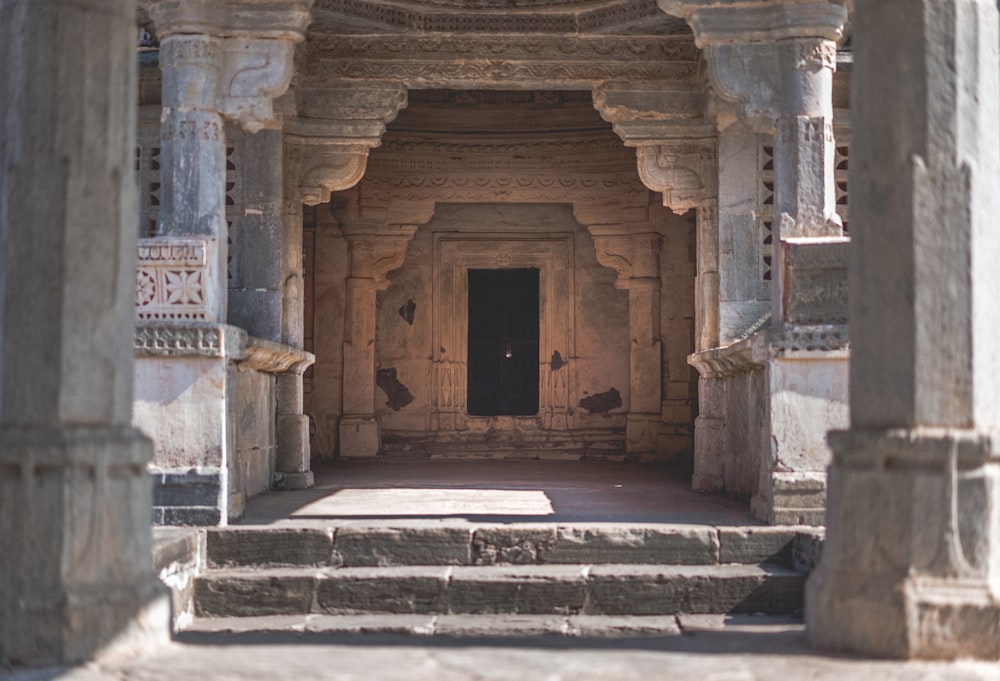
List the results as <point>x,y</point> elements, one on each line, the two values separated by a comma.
<point>368,544</point>
<point>506,589</point>
<point>293,627</point>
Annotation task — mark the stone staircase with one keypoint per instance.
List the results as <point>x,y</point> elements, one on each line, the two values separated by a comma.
<point>458,578</point>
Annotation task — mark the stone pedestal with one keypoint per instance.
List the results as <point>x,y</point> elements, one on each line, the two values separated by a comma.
<point>911,565</point>
<point>76,572</point>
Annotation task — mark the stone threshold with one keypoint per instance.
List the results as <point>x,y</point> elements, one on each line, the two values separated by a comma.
<point>304,627</point>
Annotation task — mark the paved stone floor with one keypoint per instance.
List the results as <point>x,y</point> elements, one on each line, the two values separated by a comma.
<point>700,656</point>
<point>497,491</point>
<point>701,648</point>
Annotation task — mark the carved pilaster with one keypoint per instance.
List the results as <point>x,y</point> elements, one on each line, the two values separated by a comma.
<point>373,253</point>
<point>636,259</point>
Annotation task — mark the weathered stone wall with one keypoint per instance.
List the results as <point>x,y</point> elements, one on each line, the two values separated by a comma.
<point>251,404</point>
<point>597,363</point>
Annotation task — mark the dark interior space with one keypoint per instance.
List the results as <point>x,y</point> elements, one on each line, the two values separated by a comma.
<point>503,342</point>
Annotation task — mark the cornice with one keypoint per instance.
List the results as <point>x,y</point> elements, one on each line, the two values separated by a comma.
<point>284,19</point>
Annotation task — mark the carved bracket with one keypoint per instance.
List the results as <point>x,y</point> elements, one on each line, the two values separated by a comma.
<point>323,169</point>
<point>328,143</point>
<point>635,257</point>
<point>686,173</point>
<point>254,73</point>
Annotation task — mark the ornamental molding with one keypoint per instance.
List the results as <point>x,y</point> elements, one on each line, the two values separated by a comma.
<point>275,358</point>
<point>273,19</point>
<point>189,340</point>
<point>763,21</point>
<point>463,188</point>
<point>490,61</point>
<point>507,16</point>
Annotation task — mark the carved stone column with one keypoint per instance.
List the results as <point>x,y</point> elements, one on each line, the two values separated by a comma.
<point>776,61</point>
<point>636,259</point>
<point>911,564</point>
<point>220,60</point>
<point>372,254</point>
<point>76,573</point>
<point>217,60</point>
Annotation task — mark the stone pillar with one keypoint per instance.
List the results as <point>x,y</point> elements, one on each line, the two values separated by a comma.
<point>325,155</point>
<point>773,63</point>
<point>636,259</point>
<point>372,253</point>
<point>221,60</point>
<point>359,427</point>
<point>911,563</point>
<point>76,573</point>
<point>193,156</point>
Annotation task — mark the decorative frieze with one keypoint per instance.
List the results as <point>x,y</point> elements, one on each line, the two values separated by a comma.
<point>173,279</point>
<point>815,280</point>
<point>190,340</point>
<point>459,62</point>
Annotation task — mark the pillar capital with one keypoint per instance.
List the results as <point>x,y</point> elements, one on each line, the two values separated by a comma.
<point>634,255</point>
<point>675,144</point>
<point>766,55</point>
<point>232,57</point>
<point>271,19</point>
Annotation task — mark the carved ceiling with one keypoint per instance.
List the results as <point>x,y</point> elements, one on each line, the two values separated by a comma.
<point>496,44</point>
<point>496,16</point>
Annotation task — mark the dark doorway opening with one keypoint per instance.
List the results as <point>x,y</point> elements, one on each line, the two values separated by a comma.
<point>503,342</point>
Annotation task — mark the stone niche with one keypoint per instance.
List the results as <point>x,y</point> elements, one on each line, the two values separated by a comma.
<point>583,322</point>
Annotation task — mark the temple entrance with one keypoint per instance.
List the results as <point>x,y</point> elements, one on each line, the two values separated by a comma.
<point>503,342</point>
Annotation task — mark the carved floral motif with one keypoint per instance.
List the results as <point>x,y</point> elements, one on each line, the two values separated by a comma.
<point>171,279</point>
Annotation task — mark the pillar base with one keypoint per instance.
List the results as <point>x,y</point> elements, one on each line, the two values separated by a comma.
<point>303,480</point>
<point>641,431</point>
<point>916,617</point>
<point>76,572</point>
<point>913,520</point>
<point>293,443</point>
<point>360,437</point>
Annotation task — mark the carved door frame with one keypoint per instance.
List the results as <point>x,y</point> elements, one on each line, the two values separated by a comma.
<point>553,255</point>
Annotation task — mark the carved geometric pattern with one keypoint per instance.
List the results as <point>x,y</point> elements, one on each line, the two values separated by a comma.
<point>841,175</point>
<point>171,279</point>
<point>765,209</point>
<point>234,211</point>
<point>147,172</point>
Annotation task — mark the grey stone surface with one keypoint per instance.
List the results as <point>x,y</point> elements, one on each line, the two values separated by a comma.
<point>365,545</point>
<point>647,590</point>
<point>914,490</point>
<point>253,593</point>
<point>76,571</point>
<point>520,590</point>
<point>235,547</point>
<point>697,657</point>
<point>396,590</point>
<point>756,544</point>
<point>634,544</point>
